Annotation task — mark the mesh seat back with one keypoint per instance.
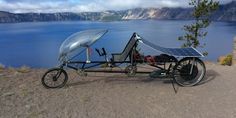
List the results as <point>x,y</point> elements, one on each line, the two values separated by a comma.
<point>128,49</point>
<point>122,56</point>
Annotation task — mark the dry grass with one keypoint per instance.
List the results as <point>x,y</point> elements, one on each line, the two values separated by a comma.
<point>24,69</point>
<point>2,67</point>
<point>226,60</point>
<point>11,69</point>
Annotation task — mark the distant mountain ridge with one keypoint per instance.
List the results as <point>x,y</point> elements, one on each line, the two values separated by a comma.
<point>226,12</point>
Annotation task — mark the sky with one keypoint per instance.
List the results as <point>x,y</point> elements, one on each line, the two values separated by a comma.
<point>50,6</point>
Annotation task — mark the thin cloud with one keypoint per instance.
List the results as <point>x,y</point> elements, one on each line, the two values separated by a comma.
<point>22,6</point>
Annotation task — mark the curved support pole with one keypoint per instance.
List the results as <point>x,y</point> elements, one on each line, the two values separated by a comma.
<point>88,55</point>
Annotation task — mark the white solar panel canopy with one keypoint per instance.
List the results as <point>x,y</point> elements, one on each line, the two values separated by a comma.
<point>177,52</point>
<point>77,42</point>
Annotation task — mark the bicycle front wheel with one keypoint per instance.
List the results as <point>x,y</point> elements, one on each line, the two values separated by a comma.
<point>54,78</point>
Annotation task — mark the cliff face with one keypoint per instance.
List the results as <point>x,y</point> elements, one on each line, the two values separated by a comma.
<point>33,17</point>
<point>225,12</point>
<point>154,13</point>
<point>6,17</point>
<point>140,13</point>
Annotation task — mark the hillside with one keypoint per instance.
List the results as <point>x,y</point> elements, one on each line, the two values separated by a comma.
<point>225,12</point>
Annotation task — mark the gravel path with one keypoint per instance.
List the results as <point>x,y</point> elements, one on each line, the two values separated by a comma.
<point>116,96</point>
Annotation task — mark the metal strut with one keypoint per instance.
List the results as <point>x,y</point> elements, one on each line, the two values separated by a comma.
<point>88,54</point>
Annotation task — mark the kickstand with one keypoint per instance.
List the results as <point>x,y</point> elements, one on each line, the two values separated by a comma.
<point>173,85</point>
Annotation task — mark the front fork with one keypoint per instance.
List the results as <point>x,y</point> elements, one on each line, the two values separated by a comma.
<point>58,74</point>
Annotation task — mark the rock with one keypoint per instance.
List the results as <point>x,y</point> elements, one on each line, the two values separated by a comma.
<point>8,94</point>
<point>27,106</point>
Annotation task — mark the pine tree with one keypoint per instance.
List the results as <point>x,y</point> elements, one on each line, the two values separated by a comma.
<point>202,10</point>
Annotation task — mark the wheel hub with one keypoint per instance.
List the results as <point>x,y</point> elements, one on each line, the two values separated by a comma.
<point>185,72</point>
<point>54,78</point>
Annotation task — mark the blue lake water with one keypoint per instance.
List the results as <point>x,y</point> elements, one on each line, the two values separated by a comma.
<point>37,44</point>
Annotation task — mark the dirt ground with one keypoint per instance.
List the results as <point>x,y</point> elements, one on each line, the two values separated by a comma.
<point>114,96</point>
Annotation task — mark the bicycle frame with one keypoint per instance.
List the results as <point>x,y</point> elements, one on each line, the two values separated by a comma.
<point>71,65</point>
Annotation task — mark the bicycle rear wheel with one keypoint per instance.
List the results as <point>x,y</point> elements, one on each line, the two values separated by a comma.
<point>189,71</point>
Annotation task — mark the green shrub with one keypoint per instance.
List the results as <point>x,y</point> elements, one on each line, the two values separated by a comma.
<point>226,60</point>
